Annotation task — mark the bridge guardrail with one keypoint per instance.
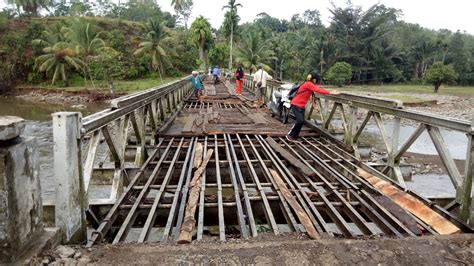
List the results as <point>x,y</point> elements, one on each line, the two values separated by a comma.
<point>325,107</point>
<point>136,117</point>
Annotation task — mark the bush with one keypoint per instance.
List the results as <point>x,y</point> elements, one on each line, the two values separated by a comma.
<point>34,78</point>
<point>339,74</point>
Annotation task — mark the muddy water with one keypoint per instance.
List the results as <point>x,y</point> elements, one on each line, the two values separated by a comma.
<point>38,124</point>
<point>456,141</point>
<point>427,185</point>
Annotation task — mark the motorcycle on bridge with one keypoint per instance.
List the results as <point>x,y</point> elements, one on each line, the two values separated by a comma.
<point>280,104</point>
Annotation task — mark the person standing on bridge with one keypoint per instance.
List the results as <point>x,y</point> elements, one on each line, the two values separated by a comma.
<point>216,72</point>
<point>301,98</point>
<point>260,80</point>
<point>196,82</point>
<point>239,79</point>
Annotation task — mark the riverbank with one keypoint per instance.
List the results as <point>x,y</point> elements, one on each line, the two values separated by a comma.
<point>459,106</point>
<point>60,96</point>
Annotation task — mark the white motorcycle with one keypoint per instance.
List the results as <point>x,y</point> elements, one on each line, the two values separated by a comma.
<point>280,104</point>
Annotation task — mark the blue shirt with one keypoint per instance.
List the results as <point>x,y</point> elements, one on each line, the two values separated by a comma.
<point>197,82</point>
<point>215,72</point>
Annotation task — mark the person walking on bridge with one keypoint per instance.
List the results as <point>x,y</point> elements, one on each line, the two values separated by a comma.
<point>196,82</point>
<point>239,79</point>
<point>301,98</point>
<point>260,80</point>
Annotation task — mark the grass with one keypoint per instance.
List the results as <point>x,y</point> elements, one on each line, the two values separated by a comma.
<point>416,89</point>
<point>120,86</point>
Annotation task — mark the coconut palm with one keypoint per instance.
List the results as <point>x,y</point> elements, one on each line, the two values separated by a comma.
<point>155,44</point>
<point>85,38</point>
<point>254,51</point>
<point>201,34</point>
<point>233,18</point>
<point>57,60</point>
<point>178,4</point>
<point>50,36</point>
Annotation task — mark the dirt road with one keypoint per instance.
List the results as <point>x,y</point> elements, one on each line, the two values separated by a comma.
<point>291,250</point>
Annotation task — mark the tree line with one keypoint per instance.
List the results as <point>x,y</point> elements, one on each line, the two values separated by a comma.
<point>133,39</point>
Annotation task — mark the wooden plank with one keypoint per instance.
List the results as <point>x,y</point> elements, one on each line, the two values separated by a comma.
<point>257,118</point>
<point>400,213</point>
<point>187,227</point>
<point>188,126</point>
<point>290,158</point>
<point>411,204</point>
<point>302,215</point>
<point>198,156</point>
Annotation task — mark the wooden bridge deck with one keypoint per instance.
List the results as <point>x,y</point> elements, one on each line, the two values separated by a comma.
<point>256,182</point>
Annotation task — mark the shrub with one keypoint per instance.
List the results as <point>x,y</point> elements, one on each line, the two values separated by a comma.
<point>340,73</point>
<point>439,74</point>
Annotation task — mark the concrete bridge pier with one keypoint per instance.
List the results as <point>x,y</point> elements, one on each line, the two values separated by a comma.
<point>21,210</point>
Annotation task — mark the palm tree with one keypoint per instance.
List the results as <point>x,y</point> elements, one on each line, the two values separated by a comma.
<point>86,40</point>
<point>182,8</point>
<point>155,43</point>
<point>253,52</point>
<point>201,34</point>
<point>57,59</point>
<point>233,17</point>
<point>178,4</point>
<point>50,36</point>
<point>84,36</point>
<point>31,6</point>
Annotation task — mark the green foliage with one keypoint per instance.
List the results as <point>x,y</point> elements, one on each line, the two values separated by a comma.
<point>379,47</point>
<point>218,54</point>
<point>200,33</point>
<point>3,21</point>
<point>254,51</point>
<point>58,59</point>
<point>31,7</point>
<point>156,43</point>
<point>439,74</point>
<point>183,10</point>
<point>339,74</point>
<point>108,65</point>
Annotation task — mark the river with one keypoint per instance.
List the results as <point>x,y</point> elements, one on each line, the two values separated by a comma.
<point>38,124</point>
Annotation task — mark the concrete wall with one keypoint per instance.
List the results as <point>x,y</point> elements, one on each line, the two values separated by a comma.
<point>20,196</point>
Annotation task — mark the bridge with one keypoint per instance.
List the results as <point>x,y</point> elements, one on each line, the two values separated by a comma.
<point>161,166</point>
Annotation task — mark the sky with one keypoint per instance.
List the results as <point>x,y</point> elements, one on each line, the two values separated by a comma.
<point>433,14</point>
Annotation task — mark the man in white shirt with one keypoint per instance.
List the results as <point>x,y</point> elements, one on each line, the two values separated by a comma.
<point>260,82</point>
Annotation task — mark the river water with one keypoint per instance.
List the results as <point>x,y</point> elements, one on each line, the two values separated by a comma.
<point>38,124</point>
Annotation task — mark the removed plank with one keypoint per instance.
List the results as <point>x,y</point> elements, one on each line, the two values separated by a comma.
<point>302,215</point>
<point>290,158</point>
<point>413,205</point>
<point>187,228</point>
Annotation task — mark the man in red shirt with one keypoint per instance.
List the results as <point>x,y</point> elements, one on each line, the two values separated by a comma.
<point>300,100</point>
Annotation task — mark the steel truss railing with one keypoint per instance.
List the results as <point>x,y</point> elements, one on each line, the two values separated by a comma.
<point>111,140</point>
<point>346,108</point>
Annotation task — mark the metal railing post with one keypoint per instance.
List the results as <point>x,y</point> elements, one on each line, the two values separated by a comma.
<point>71,200</point>
<point>467,210</point>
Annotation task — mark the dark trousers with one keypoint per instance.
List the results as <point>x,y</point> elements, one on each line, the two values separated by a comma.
<point>299,115</point>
